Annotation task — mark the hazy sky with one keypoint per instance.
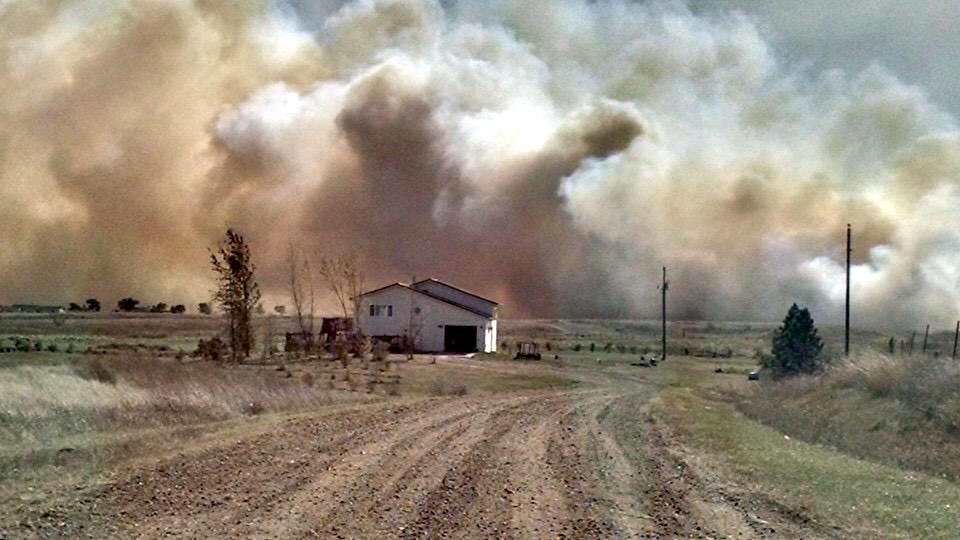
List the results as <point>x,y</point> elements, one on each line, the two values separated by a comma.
<point>915,39</point>
<point>550,154</point>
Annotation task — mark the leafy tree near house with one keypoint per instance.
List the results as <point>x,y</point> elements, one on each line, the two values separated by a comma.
<point>204,308</point>
<point>93,304</point>
<point>237,291</point>
<point>178,309</point>
<point>75,307</point>
<point>159,307</point>
<point>796,345</point>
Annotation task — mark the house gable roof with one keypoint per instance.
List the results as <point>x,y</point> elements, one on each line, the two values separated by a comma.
<point>445,284</point>
<point>429,295</point>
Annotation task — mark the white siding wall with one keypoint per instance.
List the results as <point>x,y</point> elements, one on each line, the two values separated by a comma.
<point>427,325</point>
<point>444,291</point>
<point>491,342</point>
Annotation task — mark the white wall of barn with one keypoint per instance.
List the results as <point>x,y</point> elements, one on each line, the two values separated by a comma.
<point>427,325</point>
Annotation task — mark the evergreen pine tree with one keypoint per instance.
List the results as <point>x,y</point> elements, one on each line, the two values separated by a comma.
<point>796,345</point>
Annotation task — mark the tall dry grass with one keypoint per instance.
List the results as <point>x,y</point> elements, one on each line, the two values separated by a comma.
<point>900,410</point>
<point>928,385</point>
<point>48,405</point>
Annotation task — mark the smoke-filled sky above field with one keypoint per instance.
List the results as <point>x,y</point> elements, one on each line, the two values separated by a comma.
<point>550,154</point>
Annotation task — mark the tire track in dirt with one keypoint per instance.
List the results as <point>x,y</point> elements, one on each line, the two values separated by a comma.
<point>377,471</point>
<point>575,459</point>
<point>621,477</point>
<point>423,478</point>
<point>226,488</point>
<point>584,463</point>
<point>537,498</point>
<point>473,498</point>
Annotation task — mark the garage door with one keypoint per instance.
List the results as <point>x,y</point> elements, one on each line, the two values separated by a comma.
<point>460,339</point>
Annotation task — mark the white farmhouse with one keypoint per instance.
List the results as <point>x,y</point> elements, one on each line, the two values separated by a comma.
<point>434,315</point>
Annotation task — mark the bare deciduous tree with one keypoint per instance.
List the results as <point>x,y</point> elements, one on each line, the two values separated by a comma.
<point>300,285</point>
<point>345,280</point>
<point>268,337</point>
<point>414,326</point>
<point>237,291</point>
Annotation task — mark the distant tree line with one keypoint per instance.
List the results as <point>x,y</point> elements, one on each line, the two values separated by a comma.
<point>91,304</point>
<point>130,304</point>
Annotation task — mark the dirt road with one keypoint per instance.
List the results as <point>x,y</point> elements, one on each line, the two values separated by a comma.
<point>583,463</point>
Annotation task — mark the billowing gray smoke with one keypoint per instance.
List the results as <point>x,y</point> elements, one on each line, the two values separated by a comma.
<point>551,154</point>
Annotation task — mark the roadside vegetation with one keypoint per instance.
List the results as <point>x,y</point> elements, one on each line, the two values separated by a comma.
<point>52,404</point>
<point>824,487</point>
<point>903,411</point>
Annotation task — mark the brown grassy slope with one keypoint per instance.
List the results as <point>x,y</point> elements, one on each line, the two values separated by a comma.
<point>52,402</point>
<point>899,410</point>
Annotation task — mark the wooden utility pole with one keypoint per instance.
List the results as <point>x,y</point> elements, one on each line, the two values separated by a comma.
<point>663,314</point>
<point>956,335</point>
<point>846,311</point>
<point>926,334</point>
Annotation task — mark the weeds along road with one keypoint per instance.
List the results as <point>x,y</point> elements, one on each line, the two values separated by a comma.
<point>587,462</point>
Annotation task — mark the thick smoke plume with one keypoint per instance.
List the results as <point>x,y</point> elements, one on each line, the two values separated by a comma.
<point>550,154</point>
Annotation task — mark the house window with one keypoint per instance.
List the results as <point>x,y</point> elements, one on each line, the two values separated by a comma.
<point>379,310</point>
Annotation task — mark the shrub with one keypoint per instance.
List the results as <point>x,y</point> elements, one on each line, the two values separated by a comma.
<point>38,346</point>
<point>52,347</point>
<point>576,347</point>
<point>381,350</point>
<point>440,388</point>
<point>95,370</point>
<point>342,349</point>
<point>796,345</point>
<point>212,349</point>
<point>22,344</point>
<point>127,304</point>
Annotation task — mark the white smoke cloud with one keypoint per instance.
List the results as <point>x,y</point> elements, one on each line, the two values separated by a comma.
<point>552,154</point>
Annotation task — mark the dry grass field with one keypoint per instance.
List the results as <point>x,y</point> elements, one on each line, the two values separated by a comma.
<point>125,434</point>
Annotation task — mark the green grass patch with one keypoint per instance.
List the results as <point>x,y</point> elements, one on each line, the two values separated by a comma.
<point>866,499</point>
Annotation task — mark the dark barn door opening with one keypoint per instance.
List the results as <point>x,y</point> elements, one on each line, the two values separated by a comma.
<point>460,339</point>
